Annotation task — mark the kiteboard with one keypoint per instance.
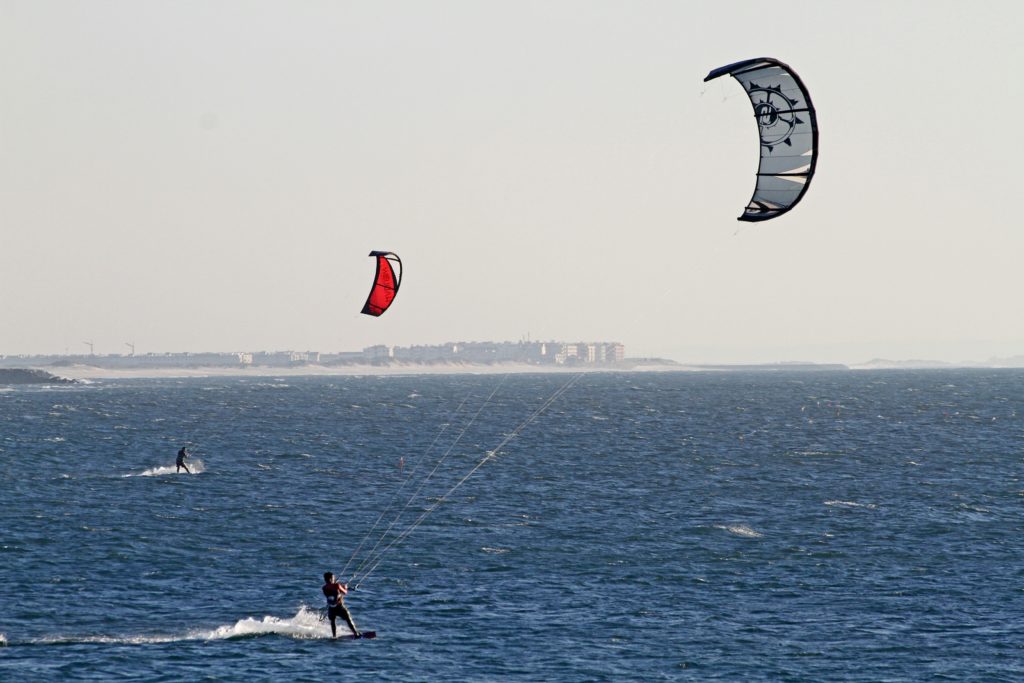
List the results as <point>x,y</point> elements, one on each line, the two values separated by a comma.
<point>361,636</point>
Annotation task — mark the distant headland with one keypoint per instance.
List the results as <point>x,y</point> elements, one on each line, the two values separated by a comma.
<point>28,376</point>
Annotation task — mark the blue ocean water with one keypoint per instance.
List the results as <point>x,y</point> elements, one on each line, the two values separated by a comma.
<point>839,526</point>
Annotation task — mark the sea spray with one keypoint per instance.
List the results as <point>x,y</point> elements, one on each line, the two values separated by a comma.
<point>195,466</point>
<point>305,624</point>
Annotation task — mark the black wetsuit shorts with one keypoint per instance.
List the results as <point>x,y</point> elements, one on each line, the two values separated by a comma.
<point>338,610</point>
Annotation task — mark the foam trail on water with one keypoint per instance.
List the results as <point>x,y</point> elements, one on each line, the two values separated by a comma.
<point>196,467</point>
<point>305,625</point>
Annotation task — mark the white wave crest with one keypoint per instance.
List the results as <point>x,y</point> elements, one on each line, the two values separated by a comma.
<point>195,466</point>
<point>849,504</point>
<point>740,530</point>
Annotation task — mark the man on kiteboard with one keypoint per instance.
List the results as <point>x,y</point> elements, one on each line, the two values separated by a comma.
<point>180,462</point>
<point>335,593</point>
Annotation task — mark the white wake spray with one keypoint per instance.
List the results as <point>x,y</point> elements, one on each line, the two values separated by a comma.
<point>305,625</point>
<point>195,465</point>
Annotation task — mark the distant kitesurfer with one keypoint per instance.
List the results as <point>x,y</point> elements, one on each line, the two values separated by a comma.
<point>335,593</point>
<point>180,462</point>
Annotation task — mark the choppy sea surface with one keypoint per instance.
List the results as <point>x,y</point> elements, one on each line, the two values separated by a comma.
<point>846,526</point>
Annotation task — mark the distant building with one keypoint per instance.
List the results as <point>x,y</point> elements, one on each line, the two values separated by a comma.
<point>614,352</point>
<point>378,354</point>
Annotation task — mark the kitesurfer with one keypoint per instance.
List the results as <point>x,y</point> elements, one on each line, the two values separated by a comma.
<point>180,462</point>
<point>335,593</point>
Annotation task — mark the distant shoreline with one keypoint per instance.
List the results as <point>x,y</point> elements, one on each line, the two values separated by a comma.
<point>92,372</point>
<point>82,371</point>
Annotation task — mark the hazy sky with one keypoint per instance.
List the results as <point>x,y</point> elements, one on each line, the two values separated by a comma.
<point>212,175</point>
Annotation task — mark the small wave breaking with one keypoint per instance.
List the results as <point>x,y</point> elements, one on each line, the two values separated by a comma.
<point>849,504</point>
<point>740,530</point>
